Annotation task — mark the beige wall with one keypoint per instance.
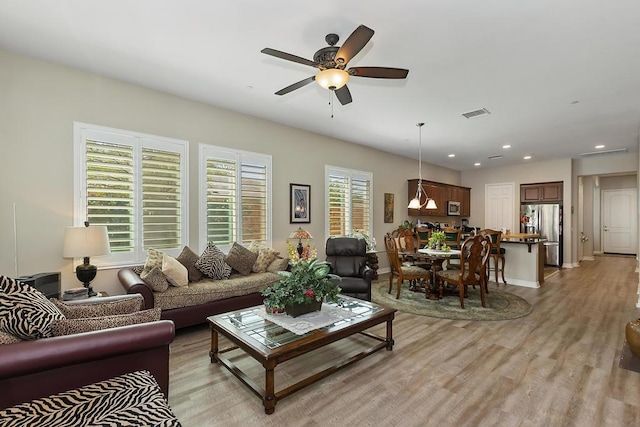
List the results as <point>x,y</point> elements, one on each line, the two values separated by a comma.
<point>39,103</point>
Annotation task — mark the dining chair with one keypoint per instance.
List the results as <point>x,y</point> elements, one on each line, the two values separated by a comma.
<point>399,270</point>
<point>452,238</point>
<point>474,257</point>
<point>422,235</point>
<point>497,253</point>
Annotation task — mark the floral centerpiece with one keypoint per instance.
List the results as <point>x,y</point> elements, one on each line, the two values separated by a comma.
<point>436,241</point>
<point>307,284</point>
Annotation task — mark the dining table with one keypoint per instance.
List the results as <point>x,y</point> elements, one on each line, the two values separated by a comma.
<point>435,257</point>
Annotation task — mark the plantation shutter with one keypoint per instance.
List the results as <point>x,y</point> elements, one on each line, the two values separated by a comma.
<point>110,192</point>
<point>161,190</point>
<point>221,201</point>
<point>254,202</point>
<point>338,205</point>
<point>349,201</point>
<point>237,197</point>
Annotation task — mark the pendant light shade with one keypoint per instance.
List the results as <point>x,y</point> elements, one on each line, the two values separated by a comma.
<point>416,202</point>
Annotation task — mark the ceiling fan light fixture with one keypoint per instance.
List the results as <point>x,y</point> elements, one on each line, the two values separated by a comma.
<point>332,78</point>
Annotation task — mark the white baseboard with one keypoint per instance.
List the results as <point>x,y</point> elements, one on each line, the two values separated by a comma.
<point>570,265</point>
<point>597,252</point>
<point>523,283</point>
<point>588,258</point>
<point>384,270</point>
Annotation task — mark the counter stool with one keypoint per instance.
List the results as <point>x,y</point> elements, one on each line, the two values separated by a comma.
<point>497,253</point>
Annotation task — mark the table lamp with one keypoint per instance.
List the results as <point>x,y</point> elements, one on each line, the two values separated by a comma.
<point>300,234</point>
<point>85,242</point>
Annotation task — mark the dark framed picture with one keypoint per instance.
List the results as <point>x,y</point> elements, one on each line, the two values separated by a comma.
<point>388,207</point>
<point>300,205</point>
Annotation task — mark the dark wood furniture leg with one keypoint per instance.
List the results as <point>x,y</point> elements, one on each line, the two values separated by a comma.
<point>213,353</point>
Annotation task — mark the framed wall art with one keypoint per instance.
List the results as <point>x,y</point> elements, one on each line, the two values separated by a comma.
<point>300,205</point>
<point>388,207</point>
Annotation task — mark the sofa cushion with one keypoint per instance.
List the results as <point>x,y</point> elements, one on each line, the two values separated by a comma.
<point>24,311</point>
<point>188,258</point>
<point>208,290</point>
<point>241,259</point>
<point>176,273</point>
<point>155,279</point>
<point>77,326</point>
<point>132,399</point>
<point>110,308</point>
<point>154,259</point>
<point>212,263</point>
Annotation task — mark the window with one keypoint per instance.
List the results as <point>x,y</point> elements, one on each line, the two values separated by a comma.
<point>348,201</point>
<point>235,204</point>
<point>136,185</point>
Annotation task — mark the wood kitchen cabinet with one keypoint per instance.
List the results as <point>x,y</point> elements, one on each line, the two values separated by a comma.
<point>441,193</point>
<point>541,192</point>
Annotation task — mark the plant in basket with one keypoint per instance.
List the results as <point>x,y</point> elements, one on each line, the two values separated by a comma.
<point>302,289</point>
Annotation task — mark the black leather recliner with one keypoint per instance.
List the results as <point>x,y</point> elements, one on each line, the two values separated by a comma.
<point>348,259</point>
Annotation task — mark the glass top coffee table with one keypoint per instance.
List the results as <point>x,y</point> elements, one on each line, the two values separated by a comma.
<point>271,344</point>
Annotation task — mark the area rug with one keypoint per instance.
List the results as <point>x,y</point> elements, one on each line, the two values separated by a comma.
<point>501,305</point>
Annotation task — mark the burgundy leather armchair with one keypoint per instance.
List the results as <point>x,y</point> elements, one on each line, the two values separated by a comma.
<point>348,259</point>
<point>39,368</point>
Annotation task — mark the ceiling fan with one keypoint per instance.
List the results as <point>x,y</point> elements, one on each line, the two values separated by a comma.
<point>332,61</point>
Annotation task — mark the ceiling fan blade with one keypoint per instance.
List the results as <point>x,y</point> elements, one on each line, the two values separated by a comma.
<point>343,95</point>
<point>379,72</point>
<point>289,57</point>
<point>295,86</point>
<point>354,44</point>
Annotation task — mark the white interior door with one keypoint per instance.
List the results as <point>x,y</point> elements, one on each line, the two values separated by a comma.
<point>499,207</point>
<point>619,216</point>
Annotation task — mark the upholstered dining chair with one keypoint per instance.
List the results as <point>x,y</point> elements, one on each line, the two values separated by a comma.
<point>474,257</point>
<point>452,238</point>
<point>422,235</point>
<point>497,253</point>
<point>399,270</point>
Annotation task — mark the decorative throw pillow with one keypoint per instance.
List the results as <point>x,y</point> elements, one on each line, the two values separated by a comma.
<point>138,269</point>
<point>110,308</point>
<point>77,326</point>
<point>154,259</point>
<point>241,259</point>
<point>265,257</point>
<point>176,273</point>
<point>255,246</point>
<point>188,258</point>
<point>212,264</point>
<point>24,311</point>
<point>155,279</point>
<point>278,264</point>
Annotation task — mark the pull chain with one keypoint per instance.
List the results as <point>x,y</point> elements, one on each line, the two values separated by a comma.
<point>331,102</point>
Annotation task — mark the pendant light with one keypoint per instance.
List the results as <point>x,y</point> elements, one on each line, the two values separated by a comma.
<point>415,202</point>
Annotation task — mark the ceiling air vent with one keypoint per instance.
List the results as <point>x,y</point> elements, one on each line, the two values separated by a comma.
<point>595,153</point>
<point>476,113</point>
<point>496,157</point>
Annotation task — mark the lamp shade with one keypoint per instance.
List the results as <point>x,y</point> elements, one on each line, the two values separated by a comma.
<point>332,78</point>
<point>300,234</point>
<point>80,242</point>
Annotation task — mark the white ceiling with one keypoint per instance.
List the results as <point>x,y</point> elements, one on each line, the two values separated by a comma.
<point>558,76</point>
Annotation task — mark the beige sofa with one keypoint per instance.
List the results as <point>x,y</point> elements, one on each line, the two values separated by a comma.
<point>192,304</point>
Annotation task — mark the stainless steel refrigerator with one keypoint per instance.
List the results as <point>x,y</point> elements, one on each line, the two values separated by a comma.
<point>545,220</point>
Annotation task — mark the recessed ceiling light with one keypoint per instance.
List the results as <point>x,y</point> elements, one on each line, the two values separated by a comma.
<point>527,157</point>
<point>476,164</point>
<point>600,146</point>
<point>506,146</point>
<point>452,155</point>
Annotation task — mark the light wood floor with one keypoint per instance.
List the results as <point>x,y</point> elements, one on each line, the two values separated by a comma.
<point>556,367</point>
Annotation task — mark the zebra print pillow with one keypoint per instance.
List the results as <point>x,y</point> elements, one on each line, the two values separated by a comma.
<point>212,263</point>
<point>133,399</point>
<point>24,311</point>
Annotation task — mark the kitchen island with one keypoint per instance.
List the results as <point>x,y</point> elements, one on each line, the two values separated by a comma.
<point>524,256</point>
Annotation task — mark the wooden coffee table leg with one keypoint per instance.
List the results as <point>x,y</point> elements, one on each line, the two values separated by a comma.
<point>269,400</point>
<point>389,339</point>
<point>213,353</point>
